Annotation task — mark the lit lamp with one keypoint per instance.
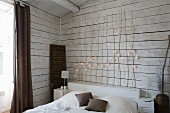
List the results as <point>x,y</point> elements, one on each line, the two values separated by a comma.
<point>65,75</point>
<point>146,82</point>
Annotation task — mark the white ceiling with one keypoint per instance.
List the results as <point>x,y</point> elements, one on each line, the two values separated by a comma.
<point>52,7</point>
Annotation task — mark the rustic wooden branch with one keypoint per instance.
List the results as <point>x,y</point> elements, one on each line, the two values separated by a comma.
<point>163,69</point>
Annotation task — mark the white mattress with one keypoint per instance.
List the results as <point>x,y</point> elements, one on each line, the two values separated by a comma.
<point>70,102</point>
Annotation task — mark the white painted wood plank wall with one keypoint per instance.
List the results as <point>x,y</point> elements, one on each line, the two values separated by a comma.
<point>152,23</point>
<point>44,31</point>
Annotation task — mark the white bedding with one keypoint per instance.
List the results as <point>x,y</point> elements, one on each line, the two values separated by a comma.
<point>69,104</point>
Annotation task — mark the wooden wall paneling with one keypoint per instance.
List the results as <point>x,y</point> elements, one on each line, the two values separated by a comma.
<point>44,31</point>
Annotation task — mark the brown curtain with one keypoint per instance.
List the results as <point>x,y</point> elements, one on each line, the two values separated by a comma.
<point>22,97</point>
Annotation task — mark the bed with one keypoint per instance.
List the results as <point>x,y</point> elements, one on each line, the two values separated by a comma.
<point>120,99</point>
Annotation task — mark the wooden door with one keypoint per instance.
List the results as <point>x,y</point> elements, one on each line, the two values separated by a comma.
<point>57,64</point>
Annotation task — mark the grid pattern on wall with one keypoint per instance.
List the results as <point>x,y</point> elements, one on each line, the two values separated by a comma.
<point>44,31</point>
<point>120,57</point>
<point>152,27</point>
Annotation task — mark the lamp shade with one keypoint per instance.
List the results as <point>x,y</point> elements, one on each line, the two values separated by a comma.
<point>65,74</point>
<point>146,82</point>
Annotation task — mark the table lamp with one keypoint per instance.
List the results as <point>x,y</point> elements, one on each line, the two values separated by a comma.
<point>65,75</point>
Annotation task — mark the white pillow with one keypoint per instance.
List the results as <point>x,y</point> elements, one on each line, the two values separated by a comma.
<point>120,105</point>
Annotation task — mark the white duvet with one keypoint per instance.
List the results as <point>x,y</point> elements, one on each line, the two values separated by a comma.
<point>69,104</point>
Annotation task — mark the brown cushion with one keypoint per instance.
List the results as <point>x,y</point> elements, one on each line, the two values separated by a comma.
<point>83,98</point>
<point>97,105</point>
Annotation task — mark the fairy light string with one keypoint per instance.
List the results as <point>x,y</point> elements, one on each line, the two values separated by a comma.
<point>114,73</point>
<point>108,64</point>
<point>95,62</point>
<point>119,52</point>
<point>123,55</point>
<point>127,59</point>
<point>97,38</point>
<point>85,65</point>
<point>133,54</point>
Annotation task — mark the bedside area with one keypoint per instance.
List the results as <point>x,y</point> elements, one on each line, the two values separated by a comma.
<point>146,105</point>
<point>58,93</point>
